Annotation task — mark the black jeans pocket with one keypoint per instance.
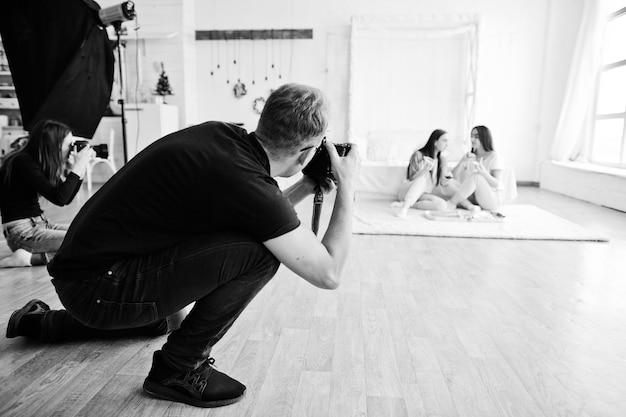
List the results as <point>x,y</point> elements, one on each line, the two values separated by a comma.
<point>110,315</point>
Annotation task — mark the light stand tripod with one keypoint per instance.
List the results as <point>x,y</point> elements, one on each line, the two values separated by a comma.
<point>118,32</point>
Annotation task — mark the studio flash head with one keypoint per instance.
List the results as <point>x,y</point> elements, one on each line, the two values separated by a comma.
<point>117,14</point>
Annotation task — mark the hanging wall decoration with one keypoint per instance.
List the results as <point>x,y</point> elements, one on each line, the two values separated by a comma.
<point>265,35</point>
<point>258,104</point>
<point>227,61</point>
<point>280,59</point>
<point>211,58</point>
<point>240,88</point>
<point>253,60</point>
<point>266,59</point>
<point>272,40</point>
<point>219,55</point>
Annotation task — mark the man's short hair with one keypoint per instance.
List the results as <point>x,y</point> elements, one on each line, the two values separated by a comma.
<point>293,114</point>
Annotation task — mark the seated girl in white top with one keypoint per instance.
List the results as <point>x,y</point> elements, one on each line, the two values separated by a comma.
<point>426,171</point>
<point>478,174</point>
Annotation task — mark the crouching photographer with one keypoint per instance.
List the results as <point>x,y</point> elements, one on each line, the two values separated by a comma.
<point>149,263</point>
<point>51,166</point>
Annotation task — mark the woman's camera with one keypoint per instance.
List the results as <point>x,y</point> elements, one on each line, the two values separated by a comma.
<point>319,168</point>
<point>102,150</point>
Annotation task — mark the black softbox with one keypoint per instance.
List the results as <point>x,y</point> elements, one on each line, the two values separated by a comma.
<point>61,61</point>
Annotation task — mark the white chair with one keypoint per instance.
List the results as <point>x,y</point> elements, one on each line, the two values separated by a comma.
<point>109,161</point>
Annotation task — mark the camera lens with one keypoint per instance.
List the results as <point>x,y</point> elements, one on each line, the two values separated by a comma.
<point>102,150</point>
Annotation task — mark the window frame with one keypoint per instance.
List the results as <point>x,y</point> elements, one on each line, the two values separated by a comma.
<point>609,116</point>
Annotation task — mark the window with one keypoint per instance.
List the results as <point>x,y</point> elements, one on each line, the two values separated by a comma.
<point>608,146</point>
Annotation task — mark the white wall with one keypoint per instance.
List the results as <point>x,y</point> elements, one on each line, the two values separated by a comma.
<point>524,55</point>
<point>166,35</point>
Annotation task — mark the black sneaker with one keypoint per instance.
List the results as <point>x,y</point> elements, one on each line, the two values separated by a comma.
<point>202,387</point>
<point>27,320</point>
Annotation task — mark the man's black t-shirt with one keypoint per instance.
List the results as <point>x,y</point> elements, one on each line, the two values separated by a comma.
<point>213,177</point>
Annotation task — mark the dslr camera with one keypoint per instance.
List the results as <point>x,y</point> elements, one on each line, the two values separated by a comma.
<point>102,150</point>
<point>319,167</point>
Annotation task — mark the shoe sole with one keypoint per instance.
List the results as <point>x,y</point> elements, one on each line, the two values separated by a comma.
<point>17,315</point>
<point>165,393</point>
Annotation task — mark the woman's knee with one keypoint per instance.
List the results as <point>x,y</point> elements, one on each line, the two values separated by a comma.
<point>480,181</point>
<point>487,199</point>
<point>440,204</point>
<point>488,204</point>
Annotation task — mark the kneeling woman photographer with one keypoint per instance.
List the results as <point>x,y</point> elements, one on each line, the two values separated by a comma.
<point>49,167</point>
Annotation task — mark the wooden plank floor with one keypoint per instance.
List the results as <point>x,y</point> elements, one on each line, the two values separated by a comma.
<point>419,327</point>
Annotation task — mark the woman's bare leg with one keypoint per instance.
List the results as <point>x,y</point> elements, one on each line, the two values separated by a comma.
<point>485,195</point>
<point>466,189</point>
<point>415,191</point>
<point>431,202</point>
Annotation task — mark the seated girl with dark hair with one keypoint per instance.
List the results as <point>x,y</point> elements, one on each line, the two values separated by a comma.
<point>427,171</point>
<point>44,167</point>
<point>478,174</point>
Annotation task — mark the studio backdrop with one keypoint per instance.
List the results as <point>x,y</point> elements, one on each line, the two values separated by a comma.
<point>410,75</point>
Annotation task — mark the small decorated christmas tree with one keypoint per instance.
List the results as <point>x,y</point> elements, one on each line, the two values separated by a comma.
<point>163,87</point>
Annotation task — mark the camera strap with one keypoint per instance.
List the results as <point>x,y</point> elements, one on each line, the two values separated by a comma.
<point>318,199</point>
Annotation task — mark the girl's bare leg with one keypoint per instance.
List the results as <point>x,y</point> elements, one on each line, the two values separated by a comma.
<point>466,189</point>
<point>415,191</point>
<point>485,195</point>
<point>431,202</point>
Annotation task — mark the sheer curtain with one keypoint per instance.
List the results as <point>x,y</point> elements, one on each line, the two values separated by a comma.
<point>572,128</point>
<point>410,75</point>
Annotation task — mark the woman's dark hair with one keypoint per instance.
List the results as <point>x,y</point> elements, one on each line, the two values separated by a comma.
<point>484,136</point>
<point>429,149</point>
<point>45,142</point>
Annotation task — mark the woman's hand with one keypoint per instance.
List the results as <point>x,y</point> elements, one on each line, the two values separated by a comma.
<point>426,164</point>
<point>480,168</point>
<point>78,161</point>
<point>468,158</point>
<point>429,163</point>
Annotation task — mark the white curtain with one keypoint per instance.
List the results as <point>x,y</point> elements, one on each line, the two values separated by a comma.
<point>410,75</point>
<point>572,128</point>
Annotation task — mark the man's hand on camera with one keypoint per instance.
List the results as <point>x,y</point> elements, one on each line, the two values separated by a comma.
<point>327,187</point>
<point>345,169</point>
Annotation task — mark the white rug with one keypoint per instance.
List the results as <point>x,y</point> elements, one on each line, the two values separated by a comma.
<point>377,217</point>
